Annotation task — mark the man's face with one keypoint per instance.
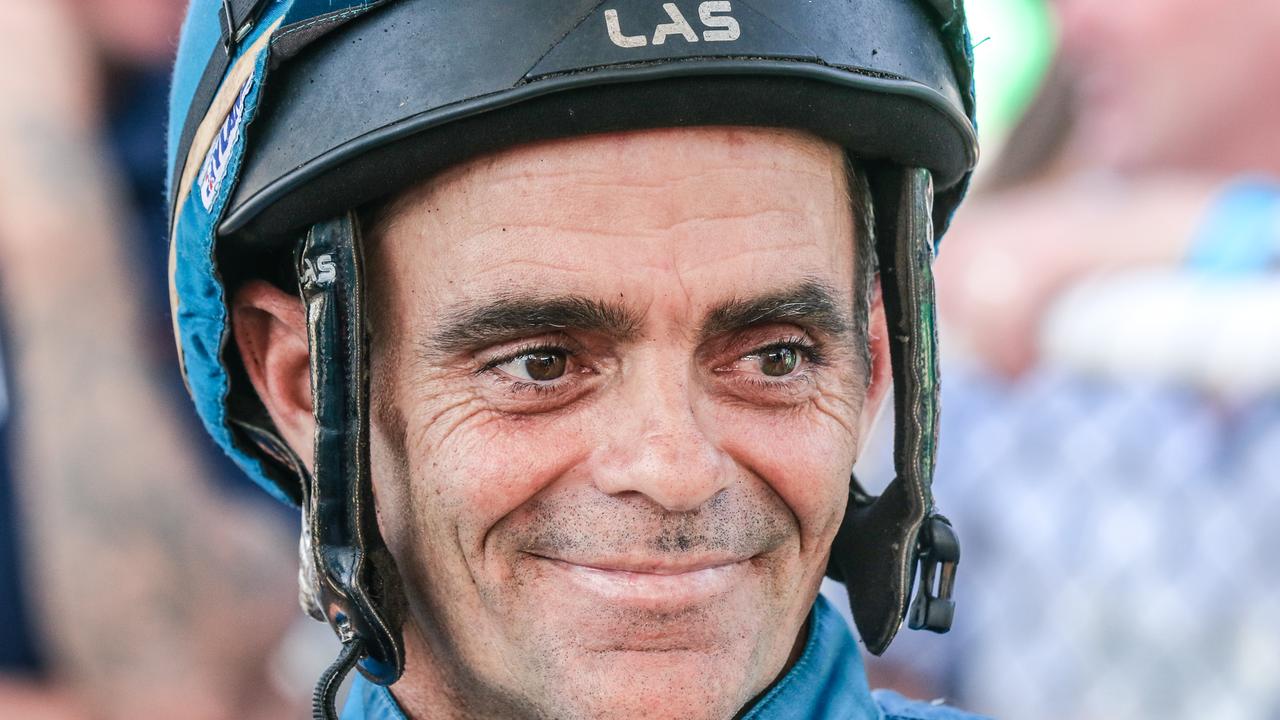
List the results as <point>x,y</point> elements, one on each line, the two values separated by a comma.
<point>616,400</point>
<point>1170,82</point>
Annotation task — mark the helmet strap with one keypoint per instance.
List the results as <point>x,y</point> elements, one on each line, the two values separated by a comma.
<point>883,538</point>
<point>354,571</point>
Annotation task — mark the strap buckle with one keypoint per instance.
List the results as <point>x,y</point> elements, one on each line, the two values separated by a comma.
<point>938,552</point>
<point>236,25</point>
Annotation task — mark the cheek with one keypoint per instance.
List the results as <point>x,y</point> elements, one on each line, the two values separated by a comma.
<point>805,456</point>
<point>478,466</point>
<point>471,467</point>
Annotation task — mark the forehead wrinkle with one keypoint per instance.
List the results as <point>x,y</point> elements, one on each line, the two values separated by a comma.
<point>498,228</point>
<point>494,189</point>
<point>578,159</point>
<point>684,193</point>
<point>727,145</point>
<point>616,176</point>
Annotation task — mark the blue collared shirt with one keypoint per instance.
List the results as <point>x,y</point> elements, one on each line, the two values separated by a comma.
<point>826,682</point>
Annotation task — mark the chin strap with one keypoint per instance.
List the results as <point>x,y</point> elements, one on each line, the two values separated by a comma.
<point>326,692</point>
<point>354,575</point>
<point>882,539</point>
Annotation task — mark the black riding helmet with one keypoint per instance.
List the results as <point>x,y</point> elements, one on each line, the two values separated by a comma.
<point>290,116</point>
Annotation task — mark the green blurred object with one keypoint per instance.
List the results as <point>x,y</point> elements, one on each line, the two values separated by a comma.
<point>1014,41</point>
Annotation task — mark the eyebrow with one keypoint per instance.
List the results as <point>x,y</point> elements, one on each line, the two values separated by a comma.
<point>811,303</point>
<point>475,325</point>
<point>511,316</point>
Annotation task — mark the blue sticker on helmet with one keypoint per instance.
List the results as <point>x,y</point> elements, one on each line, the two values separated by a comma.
<point>214,169</point>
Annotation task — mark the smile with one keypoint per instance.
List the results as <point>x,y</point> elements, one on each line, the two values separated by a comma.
<point>650,582</point>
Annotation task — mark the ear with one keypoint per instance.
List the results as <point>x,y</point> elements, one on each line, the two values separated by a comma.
<point>880,380</point>
<point>271,333</point>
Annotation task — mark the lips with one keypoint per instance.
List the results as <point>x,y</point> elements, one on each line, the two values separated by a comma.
<point>650,581</point>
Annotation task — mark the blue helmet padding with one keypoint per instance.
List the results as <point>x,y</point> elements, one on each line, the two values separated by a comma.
<point>201,316</point>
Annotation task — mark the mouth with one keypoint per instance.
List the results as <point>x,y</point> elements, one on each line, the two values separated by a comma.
<point>651,582</point>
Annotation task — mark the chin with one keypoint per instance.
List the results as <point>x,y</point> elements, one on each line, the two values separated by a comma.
<point>684,684</point>
<point>615,644</point>
<point>703,661</point>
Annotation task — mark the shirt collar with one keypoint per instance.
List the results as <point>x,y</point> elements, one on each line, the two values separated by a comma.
<point>827,681</point>
<point>370,702</point>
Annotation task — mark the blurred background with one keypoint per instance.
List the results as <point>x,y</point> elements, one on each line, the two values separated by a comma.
<point>1110,442</point>
<point>1110,446</point>
<point>140,574</point>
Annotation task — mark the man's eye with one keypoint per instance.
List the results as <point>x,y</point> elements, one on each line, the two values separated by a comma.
<point>536,365</point>
<point>778,361</point>
<point>774,361</point>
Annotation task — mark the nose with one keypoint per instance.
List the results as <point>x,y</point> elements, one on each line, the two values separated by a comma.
<point>660,450</point>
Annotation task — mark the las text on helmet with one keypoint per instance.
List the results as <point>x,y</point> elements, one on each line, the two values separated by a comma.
<point>717,24</point>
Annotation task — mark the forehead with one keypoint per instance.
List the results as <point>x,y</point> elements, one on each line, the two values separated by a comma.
<point>718,211</point>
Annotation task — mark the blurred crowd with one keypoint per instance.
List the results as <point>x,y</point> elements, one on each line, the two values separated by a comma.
<point>1111,391</point>
<point>136,579</point>
<point>1111,429</point>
